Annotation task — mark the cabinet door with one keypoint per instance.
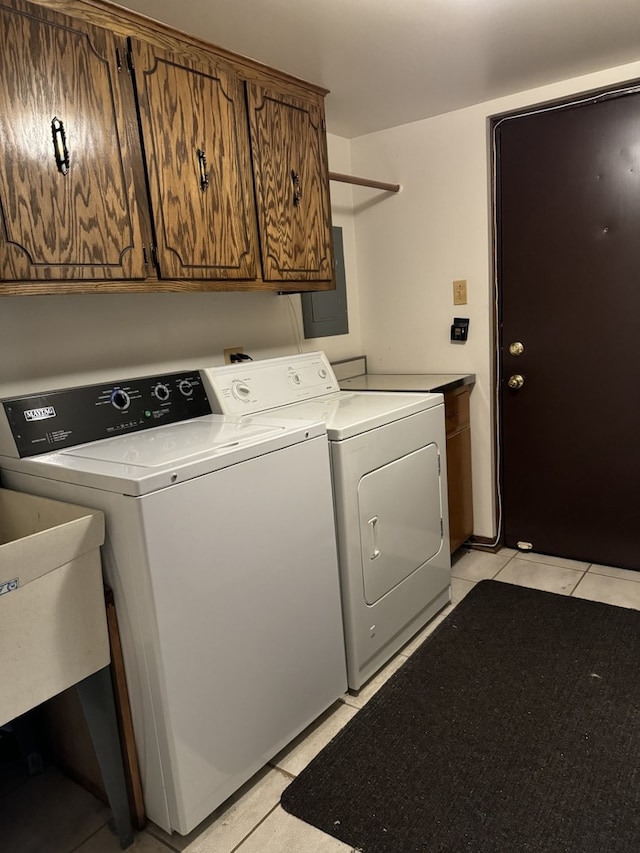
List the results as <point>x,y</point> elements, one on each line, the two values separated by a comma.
<point>292,189</point>
<point>456,405</point>
<point>195,138</point>
<point>68,207</point>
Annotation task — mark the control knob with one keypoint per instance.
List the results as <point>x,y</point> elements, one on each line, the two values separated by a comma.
<point>161,392</point>
<point>120,400</point>
<point>240,390</point>
<point>185,387</point>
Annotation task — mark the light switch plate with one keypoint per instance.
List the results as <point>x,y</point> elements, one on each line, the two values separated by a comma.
<point>460,292</point>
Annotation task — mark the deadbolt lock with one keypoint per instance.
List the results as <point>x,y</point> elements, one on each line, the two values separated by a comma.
<point>516,348</point>
<point>516,381</point>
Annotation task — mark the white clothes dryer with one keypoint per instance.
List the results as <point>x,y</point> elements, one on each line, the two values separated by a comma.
<point>221,552</point>
<point>390,491</point>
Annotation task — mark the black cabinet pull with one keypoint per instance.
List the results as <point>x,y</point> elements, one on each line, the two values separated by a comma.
<point>297,192</point>
<point>204,177</point>
<point>60,145</point>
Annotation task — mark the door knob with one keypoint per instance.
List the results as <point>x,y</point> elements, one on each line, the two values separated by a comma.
<point>516,348</point>
<point>516,381</point>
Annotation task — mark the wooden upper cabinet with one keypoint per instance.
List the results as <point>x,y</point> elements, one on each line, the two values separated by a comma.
<point>68,205</point>
<point>154,162</point>
<point>195,142</point>
<point>291,183</point>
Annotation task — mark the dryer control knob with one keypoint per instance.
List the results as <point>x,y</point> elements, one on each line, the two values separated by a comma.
<point>185,387</point>
<point>240,390</point>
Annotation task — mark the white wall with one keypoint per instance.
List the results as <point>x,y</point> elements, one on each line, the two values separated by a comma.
<point>413,245</point>
<point>51,342</point>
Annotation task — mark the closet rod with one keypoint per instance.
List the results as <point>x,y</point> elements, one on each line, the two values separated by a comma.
<point>364,182</point>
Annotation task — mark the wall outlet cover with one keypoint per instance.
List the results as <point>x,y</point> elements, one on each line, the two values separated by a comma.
<point>227,351</point>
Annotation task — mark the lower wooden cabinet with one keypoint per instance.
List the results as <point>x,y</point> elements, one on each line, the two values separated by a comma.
<point>458,430</point>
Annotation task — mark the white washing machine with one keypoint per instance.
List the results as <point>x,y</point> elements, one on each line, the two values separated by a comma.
<point>221,552</point>
<point>390,490</point>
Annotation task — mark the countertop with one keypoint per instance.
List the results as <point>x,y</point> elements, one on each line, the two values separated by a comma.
<point>411,382</point>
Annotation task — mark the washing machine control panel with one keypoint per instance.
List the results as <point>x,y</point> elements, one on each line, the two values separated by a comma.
<point>250,387</point>
<point>53,420</point>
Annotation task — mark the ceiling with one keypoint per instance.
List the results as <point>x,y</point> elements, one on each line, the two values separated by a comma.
<point>388,62</point>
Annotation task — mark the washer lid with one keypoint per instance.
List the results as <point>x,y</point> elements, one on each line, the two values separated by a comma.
<point>139,463</point>
<point>349,413</point>
<point>182,442</point>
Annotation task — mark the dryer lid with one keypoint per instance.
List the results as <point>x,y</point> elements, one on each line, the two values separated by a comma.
<point>347,413</point>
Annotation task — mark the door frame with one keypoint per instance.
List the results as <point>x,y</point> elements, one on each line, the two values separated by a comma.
<point>606,92</point>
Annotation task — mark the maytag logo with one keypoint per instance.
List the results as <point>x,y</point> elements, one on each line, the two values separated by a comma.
<point>40,414</point>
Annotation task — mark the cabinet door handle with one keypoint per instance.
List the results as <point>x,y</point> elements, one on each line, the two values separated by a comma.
<point>204,176</point>
<point>60,145</point>
<point>297,192</point>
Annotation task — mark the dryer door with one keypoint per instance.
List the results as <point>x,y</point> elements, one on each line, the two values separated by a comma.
<point>400,511</point>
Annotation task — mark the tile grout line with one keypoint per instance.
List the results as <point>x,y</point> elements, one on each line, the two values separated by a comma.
<point>579,581</point>
<point>258,824</point>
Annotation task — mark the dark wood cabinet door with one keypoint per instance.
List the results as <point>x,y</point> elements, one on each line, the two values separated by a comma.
<point>68,208</point>
<point>195,139</point>
<point>290,176</point>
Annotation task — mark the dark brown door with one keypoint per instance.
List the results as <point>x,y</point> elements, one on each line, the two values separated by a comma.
<point>569,292</point>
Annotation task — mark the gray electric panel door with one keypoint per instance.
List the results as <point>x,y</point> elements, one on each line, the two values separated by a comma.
<point>324,313</point>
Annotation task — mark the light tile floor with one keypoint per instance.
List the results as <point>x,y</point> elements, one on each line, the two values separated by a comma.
<point>252,821</point>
